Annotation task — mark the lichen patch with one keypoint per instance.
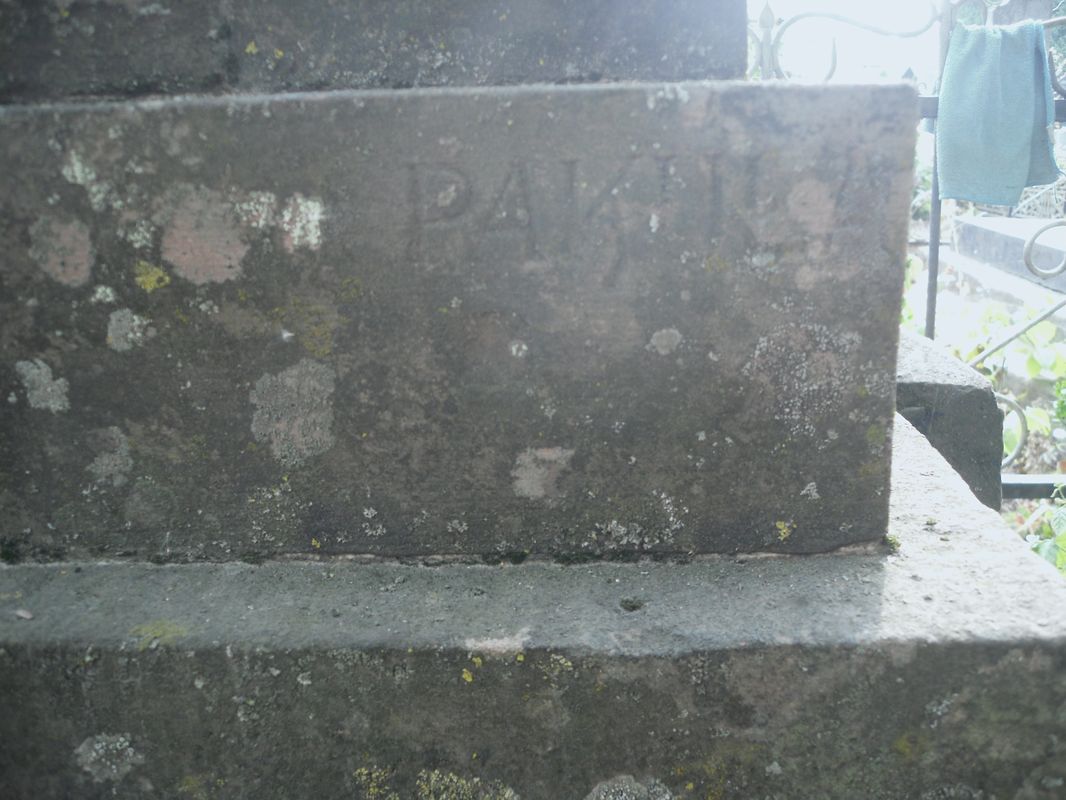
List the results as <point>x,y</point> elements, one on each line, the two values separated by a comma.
<point>294,411</point>
<point>665,341</point>
<point>114,462</point>
<point>537,470</point>
<point>626,787</point>
<point>126,330</point>
<point>301,222</point>
<point>42,390</point>
<point>107,757</point>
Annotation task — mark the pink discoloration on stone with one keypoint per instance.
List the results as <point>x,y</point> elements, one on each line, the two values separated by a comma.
<point>62,249</point>
<point>812,203</point>
<point>202,239</point>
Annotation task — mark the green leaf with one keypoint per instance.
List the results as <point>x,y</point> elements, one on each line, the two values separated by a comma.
<point>1058,524</point>
<point>1033,367</point>
<point>1010,440</point>
<point>1047,550</point>
<point>1043,333</point>
<point>1039,420</point>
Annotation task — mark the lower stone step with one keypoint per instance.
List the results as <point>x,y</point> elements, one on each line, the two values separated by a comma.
<point>1000,241</point>
<point>928,667</point>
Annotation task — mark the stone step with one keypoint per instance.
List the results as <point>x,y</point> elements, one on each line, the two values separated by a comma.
<point>69,49</point>
<point>935,671</point>
<point>1000,241</point>
<point>573,321</point>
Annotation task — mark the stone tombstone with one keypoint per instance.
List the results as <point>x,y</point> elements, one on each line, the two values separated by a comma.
<point>594,321</point>
<point>62,48</point>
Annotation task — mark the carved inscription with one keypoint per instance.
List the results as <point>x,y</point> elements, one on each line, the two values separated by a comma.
<point>540,209</point>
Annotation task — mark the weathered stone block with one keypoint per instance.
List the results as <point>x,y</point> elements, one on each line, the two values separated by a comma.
<point>577,321</point>
<point>937,671</point>
<point>65,48</point>
<point>955,408</point>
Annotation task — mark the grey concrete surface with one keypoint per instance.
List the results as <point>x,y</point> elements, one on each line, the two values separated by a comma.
<point>575,321</point>
<point>930,667</point>
<point>955,408</point>
<point>70,48</point>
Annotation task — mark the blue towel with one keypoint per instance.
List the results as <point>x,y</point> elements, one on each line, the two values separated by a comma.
<point>992,134</point>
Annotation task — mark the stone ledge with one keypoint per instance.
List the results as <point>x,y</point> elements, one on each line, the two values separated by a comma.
<point>136,48</point>
<point>935,671</point>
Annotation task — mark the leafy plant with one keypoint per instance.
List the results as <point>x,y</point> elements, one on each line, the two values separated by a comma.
<point>1048,525</point>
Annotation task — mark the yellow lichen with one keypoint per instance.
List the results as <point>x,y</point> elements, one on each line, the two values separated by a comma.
<point>150,277</point>
<point>158,632</point>
<point>351,289</point>
<point>876,435</point>
<point>278,52</point>
<point>520,657</point>
<point>715,263</point>
<point>315,543</point>
<point>784,529</point>
<point>374,781</point>
<point>910,746</point>
<point>468,676</point>
<point>554,668</point>
<point>251,48</point>
<point>313,324</point>
<point>476,660</point>
<point>438,785</point>
<point>195,787</point>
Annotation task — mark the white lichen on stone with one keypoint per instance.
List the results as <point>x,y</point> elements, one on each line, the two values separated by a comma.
<point>301,219</point>
<point>107,757</point>
<point>653,223</point>
<point>810,491</point>
<point>537,470</point>
<point>294,411</point>
<point>78,171</point>
<point>519,349</point>
<point>126,330</point>
<point>257,210</point>
<point>103,294</point>
<point>672,511</point>
<point>626,787</point>
<point>807,372</point>
<point>665,341</point>
<point>141,234</point>
<point>114,462</point>
<point>620,535</point>
<point>42,390</point>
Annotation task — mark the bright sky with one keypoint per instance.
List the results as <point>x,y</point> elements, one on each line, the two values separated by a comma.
<point>861,57</point>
